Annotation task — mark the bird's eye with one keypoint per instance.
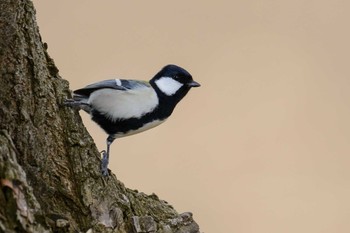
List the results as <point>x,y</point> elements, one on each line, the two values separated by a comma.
<point>176,77</point>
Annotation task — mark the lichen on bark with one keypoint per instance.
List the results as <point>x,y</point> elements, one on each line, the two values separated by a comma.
<point>49,174</point>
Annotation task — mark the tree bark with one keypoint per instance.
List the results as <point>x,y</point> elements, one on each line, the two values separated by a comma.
<point>50,175</point>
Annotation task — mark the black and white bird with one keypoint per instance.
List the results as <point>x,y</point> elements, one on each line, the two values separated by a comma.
<point>125,107</point>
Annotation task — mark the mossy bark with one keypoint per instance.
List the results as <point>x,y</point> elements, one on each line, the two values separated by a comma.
<point>50,176</point>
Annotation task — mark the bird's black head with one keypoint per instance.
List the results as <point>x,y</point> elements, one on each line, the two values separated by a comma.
<point>172,83</point>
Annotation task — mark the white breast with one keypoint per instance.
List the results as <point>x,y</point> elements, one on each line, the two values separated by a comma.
<point>117,104</point>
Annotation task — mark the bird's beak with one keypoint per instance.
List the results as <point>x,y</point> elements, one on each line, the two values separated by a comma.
<point>193,84</point>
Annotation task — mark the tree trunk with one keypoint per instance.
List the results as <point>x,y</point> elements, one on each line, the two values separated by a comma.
<point>50,176</point>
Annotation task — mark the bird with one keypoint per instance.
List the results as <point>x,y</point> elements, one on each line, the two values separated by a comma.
<point>123,107</point>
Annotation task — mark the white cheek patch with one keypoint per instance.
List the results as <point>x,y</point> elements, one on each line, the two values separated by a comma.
<point>168,86</point>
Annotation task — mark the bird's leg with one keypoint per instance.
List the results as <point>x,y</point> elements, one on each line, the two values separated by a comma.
<point>105,156</point>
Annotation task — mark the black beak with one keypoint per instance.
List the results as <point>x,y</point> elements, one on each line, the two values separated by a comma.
<point>193,84</point>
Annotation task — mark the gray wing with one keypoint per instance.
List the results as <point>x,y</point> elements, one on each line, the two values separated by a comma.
<point>117,84</point>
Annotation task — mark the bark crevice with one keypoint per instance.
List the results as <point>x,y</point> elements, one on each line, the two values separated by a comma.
<point>50,180</point>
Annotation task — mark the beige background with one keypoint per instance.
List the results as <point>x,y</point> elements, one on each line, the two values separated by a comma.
<point>263,145</point>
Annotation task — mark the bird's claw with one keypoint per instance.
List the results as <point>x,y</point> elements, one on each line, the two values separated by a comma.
<point>104,154</point>
<point>105,172</point>
<point>68,102</point>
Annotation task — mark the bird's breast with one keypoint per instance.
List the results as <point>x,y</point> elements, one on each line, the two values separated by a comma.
<point>118,105</point>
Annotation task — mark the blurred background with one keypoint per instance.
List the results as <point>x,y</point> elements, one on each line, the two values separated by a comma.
<point>263,145</point>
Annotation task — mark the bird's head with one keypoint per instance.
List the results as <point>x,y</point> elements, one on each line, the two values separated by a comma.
<point>173,82</point>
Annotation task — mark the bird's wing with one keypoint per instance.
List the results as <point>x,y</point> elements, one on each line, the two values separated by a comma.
<point>117,84</point>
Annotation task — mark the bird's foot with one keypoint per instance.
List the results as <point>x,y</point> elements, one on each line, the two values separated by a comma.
<point>69,102</point>
<point>104,163</point>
